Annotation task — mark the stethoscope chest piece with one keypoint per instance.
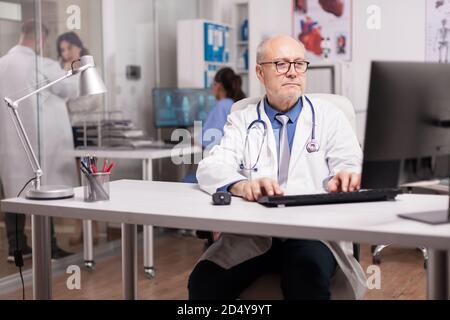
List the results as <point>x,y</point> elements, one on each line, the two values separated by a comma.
<point>312,146</point>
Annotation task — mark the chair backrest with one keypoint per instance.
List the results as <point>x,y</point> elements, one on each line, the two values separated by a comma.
<point>341,102</point>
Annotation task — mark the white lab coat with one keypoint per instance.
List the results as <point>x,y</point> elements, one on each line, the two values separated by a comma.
<point>51,123</point>
<point>85,108</point>
<point>308,173</point>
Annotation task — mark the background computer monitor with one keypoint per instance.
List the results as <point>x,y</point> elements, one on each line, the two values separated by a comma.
<point>407,135</point>
<point>181,107</point>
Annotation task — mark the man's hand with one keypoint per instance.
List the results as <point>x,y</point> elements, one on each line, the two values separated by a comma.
<point>253,190</point>
<point>345,181</point>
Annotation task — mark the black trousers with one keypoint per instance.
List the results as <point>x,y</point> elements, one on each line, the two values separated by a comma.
<point>10,222</point>
<point>305,266</point>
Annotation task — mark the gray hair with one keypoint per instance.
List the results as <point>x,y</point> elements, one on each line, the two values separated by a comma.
<point>261,49</point>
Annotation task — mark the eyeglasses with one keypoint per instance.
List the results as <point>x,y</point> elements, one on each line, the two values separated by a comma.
<point>285,66</point>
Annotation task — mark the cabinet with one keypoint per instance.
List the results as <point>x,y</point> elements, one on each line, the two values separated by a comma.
<point>203,47</point>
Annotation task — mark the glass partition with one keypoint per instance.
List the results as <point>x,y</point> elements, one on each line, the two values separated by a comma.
<point>133,43</point>
<point>39,40</point>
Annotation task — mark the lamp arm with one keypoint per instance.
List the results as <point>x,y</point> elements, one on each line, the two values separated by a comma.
<point>35,166</point>
<point>67,75</point>
<point>20,129</point>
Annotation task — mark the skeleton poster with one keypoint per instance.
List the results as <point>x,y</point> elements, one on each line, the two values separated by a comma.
<point>438,31</point>
<point>324,27</point>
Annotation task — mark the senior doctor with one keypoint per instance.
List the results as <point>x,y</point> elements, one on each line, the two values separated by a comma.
<point>20,69</point>
<point>284,158</point>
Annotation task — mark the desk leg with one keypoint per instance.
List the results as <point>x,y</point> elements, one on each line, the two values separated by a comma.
<point>148,252</point>
<point>448,275</point>
<point>88,241</point>
<point>438,275</point>
<point>129,261</point>
<point>149,270</point>
<point>42,264</point>
<point>88,245</point>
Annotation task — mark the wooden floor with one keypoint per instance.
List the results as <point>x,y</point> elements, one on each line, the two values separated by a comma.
<point>7,268</point>
<point>402,274</point>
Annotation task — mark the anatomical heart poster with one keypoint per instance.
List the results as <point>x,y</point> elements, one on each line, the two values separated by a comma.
<point>324,27</point>
<point>438,31</point>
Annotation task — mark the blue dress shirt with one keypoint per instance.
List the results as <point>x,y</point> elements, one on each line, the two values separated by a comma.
<point>292,114</point>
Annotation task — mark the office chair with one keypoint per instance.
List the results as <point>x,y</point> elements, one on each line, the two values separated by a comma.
<point>267,287</point>
<point>377,249</point>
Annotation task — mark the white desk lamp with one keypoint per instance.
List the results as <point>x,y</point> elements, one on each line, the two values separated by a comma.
<point>90,84</point>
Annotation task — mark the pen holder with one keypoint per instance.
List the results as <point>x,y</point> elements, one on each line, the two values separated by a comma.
<point>96,187</point>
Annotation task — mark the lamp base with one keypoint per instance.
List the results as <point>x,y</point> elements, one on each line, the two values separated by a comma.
<point>50,193</point>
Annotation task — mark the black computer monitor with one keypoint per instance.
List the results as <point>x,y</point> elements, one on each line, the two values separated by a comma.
<point>407,129</point>
<point>179,108</point>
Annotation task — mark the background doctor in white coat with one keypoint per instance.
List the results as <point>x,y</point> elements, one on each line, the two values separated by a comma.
<point>309,269</point>
<point>21,68</point>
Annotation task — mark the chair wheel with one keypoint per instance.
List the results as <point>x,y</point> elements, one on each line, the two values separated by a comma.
<point>90,265</point>
<point>376,259</point>
<point>150,272</point>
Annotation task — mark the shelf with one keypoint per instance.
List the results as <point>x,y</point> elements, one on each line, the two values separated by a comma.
<point>240,13</point>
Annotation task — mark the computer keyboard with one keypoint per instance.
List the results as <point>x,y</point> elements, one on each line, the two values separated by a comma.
<point>330,198</point>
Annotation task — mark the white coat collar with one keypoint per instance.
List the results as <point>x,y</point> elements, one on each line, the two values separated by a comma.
<point>22,49</point>
<point>302,132</point>
<point>270,135</point>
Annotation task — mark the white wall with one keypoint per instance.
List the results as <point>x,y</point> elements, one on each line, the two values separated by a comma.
<point>401,37</point>
<point>128,40</point>
<point>134,34</point>
<point>143,33</point>
<point>266,18</point>
<point>215,10</point>
<point>169,12</point>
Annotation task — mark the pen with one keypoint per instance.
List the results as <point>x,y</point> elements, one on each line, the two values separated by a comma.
<point>83,169</point>
<point>86,162</point>
<point>86,167</point>
<point>104,166</point>
<point>110,167</point>
<point>93,161</point>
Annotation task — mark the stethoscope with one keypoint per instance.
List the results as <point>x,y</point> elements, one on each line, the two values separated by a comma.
<point>311,146</point>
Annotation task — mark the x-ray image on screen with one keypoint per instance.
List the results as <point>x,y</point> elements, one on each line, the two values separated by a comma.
<point>181,107</point>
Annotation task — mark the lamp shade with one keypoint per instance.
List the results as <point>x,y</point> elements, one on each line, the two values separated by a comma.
<point>90,81</point>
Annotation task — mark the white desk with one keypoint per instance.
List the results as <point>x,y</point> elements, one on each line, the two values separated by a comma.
<point>179,205</point>
<point>147,155</point>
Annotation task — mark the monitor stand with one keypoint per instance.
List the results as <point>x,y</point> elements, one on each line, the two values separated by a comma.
<point>434,217</point>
